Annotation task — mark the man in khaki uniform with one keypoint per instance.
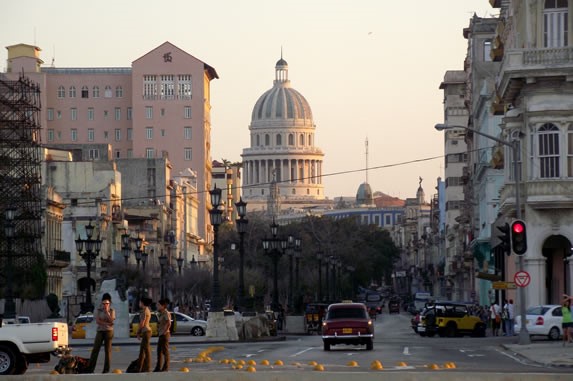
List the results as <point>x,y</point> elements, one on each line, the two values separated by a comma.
<point>164,324</point>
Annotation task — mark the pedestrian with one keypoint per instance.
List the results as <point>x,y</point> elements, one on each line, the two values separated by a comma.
<point>163,331</point>
<point>567,323</point>
<point>176,309</point>
<point>104,317</point>
<point>495,316</point>
<point>510,318</point>
<point>144,334</point>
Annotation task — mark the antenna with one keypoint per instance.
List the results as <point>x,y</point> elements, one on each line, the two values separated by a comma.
<point>54,55</point>
<point>366,144</point>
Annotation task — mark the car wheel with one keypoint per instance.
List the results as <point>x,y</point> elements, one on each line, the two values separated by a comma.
<point>326,346</point>
<point>369,345</point>
<point>554,334</point>
<point>430,333</point>
<point>197,331</point>
<point>479,330</point>
<point>451,330</point>
<point>7,360</point>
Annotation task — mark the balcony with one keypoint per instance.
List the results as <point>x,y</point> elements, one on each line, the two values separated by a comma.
<point>59,258</point>
<point>539,194</point>
<point>523,64</point>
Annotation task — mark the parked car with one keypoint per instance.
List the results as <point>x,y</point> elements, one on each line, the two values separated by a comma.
<point>347,323</point>
<point>186,324</point>
<point>79,326</point>
<point>543,320</point>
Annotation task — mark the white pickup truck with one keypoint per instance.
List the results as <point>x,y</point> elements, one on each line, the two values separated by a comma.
<point>21,344</point>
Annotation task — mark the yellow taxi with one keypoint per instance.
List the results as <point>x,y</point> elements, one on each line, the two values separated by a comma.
<point>79,326</point>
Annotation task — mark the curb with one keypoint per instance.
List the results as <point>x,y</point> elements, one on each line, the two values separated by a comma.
<point>185,342</point>
<point>535,360</point>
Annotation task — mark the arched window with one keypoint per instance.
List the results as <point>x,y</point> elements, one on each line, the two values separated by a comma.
<point>570,151</point>
<point>119,92</point>
<point>555,28</point>
<point>290,139</point>
<point>61,92</point>
<point>258,138</point>
<point>279,140</point>
<point>267,140</point>
<point>107,92</point>
<point>95,92</point>
<point>85,92</point>
<point>301,139</point>
<point>72,91</point>
<point>310,140</point>
<point>548,151</point>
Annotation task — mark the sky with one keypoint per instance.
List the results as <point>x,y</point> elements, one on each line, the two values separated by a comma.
<point>370,69</point>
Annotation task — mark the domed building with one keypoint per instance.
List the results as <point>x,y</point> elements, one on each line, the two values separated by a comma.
<point>282,147</point>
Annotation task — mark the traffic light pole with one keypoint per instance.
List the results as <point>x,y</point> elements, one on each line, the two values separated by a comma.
<point>514,145</point>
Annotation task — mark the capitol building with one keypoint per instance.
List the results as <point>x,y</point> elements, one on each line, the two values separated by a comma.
<point>282,165</point>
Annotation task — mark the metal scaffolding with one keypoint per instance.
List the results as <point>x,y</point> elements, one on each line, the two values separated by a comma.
<point>20,172</point>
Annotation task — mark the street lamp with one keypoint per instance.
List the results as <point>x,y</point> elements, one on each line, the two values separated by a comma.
<point>179,263</point>
<point>242,222</point>
<point>162,264</point>
<point>319,257</point>
<point>514,146</point>
<point>297,255</point>
<point>92,248</point>
<point>9,231</point>
<point>216,216</point>
<point>274,247</point>
<point>125,248</point>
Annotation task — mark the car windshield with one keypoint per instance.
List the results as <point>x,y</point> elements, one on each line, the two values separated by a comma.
<point>347,313</point>
<point>537,310</point>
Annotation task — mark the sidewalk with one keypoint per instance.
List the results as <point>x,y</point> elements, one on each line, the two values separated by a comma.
<point>547,353</point>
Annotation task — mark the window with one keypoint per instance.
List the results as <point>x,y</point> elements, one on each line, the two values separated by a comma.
<point>106,135</point>
<point>119,92</point>
<point>59,114</point>
<point>279,140</point>
<point>90,113</point>
<point>130,134</point>
<point>95,92</point>
<point>555,24</point>
<point>117,134</point>
<point>94,154</point>
<point>570,152</point>
<point>148,112</point>
<point>387,219</point>
<point>184,86</point>
<point>50,114</point>
<point>487,50</point>
<point>187,112</point>
<point>548,151</point>
<point>149,153</point>
<point>167,86</point>
<point>163,132</point>
<point>149,133</point>
<point>72,93</point>
<point>129,112</point>
<point>107,92</point>
<point>117,154</point>
<point>129,153</point>
<point>187,133</point>
<point>162,112</point>
<point>188,154</point>
<point>290,139</point>
<point>301,139</point>
<point>258,140</point>
<point>85,92</point>
<point>74,135</point>
<point>50,135</point>
<point>61,92</point>
<point>267,140</point>
<point>149,87</point>
<point>74,113</point>
<point>91,134</point>
<point>117,113</point>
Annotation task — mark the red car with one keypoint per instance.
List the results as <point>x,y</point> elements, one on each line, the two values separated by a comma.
<point>347,323</point>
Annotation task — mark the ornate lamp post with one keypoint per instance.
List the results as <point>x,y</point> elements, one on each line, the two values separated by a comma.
<point>216,216</point>
<point>92,248</point>
<point>179,263</point>
<point>319,257</point>
<point>293,247</point>
<point>163,263</point>
<point>242,222</point>
<point>297,255</point>
<point>274,247</point>
<point>125,248</point>
<point>327,277</point>
<point>9,231</point>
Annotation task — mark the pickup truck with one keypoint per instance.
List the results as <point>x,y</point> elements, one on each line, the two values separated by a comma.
<point>21,344</point>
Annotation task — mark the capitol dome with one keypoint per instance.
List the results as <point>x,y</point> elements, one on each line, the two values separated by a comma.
<point>281,101</point>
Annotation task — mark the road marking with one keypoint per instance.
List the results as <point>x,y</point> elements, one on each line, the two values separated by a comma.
<point>478,355</point>
<point>301,352</point>
<point>406,351</point>
<point>517,359</point>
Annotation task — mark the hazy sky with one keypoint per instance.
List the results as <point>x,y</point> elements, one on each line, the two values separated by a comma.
<point>368,68</point>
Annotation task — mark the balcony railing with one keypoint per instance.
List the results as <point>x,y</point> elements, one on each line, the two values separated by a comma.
<point>59,258</point>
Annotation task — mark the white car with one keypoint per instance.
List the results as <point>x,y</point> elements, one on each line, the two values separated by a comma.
<point>186,324</point>
<point>544,320</point>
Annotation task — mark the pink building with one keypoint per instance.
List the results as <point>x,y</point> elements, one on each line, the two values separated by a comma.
<point>160,106</point>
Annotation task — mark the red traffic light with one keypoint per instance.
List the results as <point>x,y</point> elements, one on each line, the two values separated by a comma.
<point>518,227</point>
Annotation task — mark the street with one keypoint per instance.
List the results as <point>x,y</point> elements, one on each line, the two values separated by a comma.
<point>396,346</point>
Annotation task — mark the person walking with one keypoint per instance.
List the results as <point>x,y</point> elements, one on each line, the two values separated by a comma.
<point>509,318</point>
<point>104,317</point>
<point>495,317</point>
<point>163,331</point>
<point>567,323</point>
<point>144,334</point>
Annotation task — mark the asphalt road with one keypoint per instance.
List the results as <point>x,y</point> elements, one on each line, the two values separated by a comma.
<point>396,346</point>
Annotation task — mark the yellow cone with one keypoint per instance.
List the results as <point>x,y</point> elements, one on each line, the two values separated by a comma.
<point>251,369</point>
<point>54,372</point>
<point>117,371</point>
<point>265,362</point>
<point>319,367</point>
<point>241,362</point>
<point>402,363</point>
<point>352,363</point>
<point>312,363</point>
<point>376,365</point>
<point>434,366</point>
<point>251,362</point>
<point>184,369</point>
<point>450,365</point>
<point>279,362</point>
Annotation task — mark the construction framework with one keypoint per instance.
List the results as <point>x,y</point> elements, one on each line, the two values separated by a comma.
<point>20,174</point>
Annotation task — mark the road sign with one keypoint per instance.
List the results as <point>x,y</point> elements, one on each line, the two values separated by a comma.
<point>522,279</point>
<point>503,285</point>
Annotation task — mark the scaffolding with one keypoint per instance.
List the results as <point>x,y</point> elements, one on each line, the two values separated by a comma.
<point>20,173</point>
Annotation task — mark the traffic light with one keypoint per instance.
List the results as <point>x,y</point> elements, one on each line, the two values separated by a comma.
<point>518,237</point>
<point>505,238</point>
